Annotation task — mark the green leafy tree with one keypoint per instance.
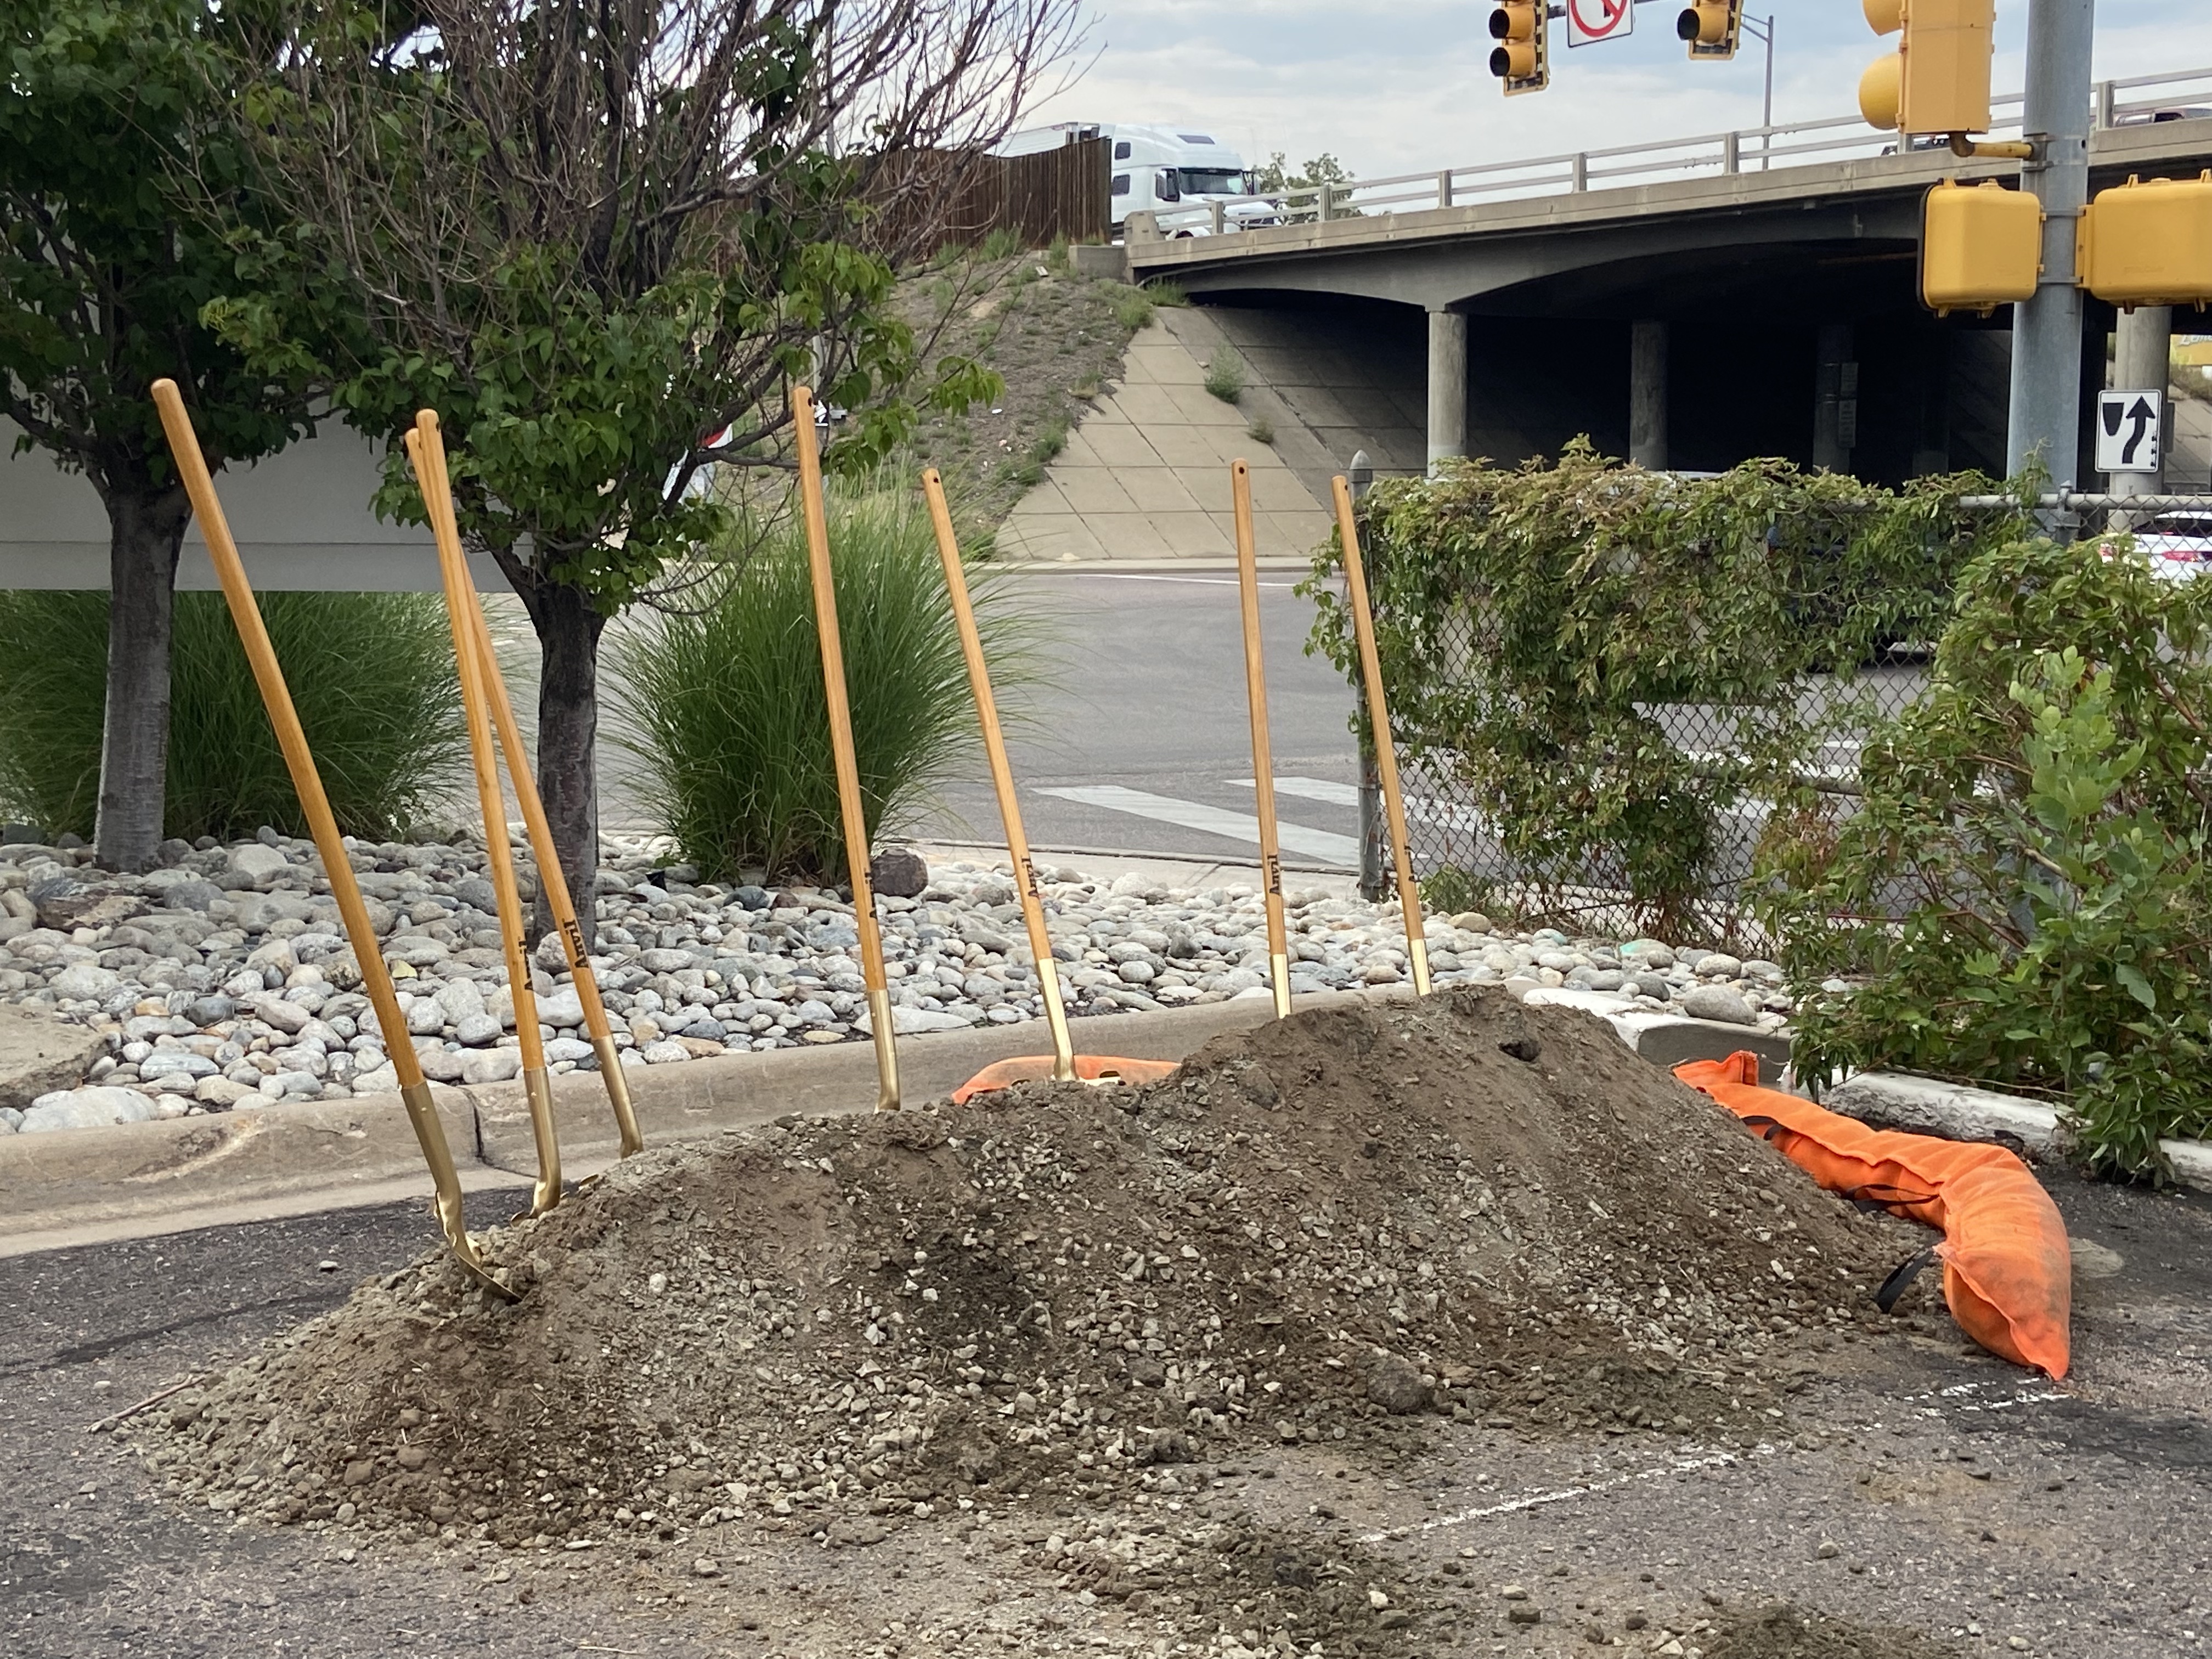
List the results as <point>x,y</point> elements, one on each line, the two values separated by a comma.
<point>1276,177</point>
<point>602,240</point>
<point>108,258</point>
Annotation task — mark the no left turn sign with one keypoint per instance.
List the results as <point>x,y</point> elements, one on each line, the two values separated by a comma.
<point>1591,20</point>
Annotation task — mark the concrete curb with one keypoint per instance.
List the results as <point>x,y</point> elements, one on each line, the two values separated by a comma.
<point>81,1186</point>
<point>130,1172</point>
<point>1893,1100</point>
<point>134,1179</point>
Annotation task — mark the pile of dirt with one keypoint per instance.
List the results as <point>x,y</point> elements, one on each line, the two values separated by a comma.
<point>1314,1233</point>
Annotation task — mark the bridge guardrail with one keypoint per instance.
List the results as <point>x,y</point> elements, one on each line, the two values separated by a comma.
<point>2125,102</point>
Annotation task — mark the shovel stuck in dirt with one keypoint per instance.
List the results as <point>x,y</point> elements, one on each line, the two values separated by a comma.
<point>1063,1064</point>
<point>1386,751</point>
<point>552,880</point>
<point>1263,763</point>
<point>426,451</point>
<point>851,810</point>
<point>376,980</point>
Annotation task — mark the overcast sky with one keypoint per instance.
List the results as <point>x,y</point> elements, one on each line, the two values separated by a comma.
<point>1404,86</point>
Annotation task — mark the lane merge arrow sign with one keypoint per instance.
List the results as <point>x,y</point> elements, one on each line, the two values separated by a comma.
<point>2129,427</point>
<point>1590,21</point>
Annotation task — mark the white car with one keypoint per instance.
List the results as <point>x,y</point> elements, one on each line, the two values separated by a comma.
<point>2178,544</point>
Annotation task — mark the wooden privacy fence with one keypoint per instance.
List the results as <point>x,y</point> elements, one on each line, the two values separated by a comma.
<point>927,198</point>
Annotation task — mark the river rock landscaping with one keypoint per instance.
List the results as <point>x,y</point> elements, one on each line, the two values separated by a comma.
<point>223,978</point>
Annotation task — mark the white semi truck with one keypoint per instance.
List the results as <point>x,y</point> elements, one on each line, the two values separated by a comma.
<point>1176,173</point>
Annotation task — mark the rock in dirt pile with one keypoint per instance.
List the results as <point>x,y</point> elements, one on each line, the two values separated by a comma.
<point>1463,1206</point>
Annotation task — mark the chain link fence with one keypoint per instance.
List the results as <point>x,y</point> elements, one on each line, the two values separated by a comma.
<point>1460,840</point>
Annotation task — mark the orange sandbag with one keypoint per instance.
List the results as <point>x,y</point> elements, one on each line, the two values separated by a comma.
<point>1035,1068</point>
<point>2007,1273</point>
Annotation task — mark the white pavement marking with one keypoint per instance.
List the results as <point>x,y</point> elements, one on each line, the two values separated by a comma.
<point>1336,794</point>
<point>1343,850</point>
<point>1421,808</point>
<point>1563,1494</point>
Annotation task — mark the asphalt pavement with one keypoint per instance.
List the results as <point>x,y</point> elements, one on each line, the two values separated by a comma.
<point>1143,743</point>
<point>1913,1485</point>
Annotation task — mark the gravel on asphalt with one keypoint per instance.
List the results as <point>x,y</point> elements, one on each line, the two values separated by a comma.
<point>1326,1232</point>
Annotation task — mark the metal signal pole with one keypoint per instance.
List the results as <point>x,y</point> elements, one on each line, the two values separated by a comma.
<point>2045,415</point>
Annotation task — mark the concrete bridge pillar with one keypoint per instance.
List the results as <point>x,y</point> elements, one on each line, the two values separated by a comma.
<point>1836,410</point>
<point>1447,386</point>
<point>1647,394</point>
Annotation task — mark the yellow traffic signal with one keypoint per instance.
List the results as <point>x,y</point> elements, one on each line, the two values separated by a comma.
<point>1711,27</point>
<point>1980,247</point>
<point>1938,79</point>
<point>2148,244</point>
<point>1521,57</point>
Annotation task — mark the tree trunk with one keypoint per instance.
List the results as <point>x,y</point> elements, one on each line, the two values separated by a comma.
<point>146,531</point>
<point>569,630</point>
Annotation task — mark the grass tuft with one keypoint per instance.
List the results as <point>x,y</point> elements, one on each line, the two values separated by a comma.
<point>1225,375</point>
<point>371,674</point>
<point>1261,429</point>
<point>1001,244</point>
<point>1133,309</point>
<point>723,710</point>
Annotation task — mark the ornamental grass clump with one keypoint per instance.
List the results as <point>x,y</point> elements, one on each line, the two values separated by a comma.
<point>371,674</point>
<point>2030,859</point>
<point>726,722</point>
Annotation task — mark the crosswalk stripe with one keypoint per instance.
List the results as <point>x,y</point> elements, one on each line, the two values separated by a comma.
<point>1336,794</point>
<point>1342,850</point>
<point>1419,808</point>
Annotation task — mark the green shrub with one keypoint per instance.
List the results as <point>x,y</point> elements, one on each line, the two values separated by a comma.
<point>1001,244</point>
<point>1224,374</point>
<point>371,674</point>
<point>1261,429</point>
<point>2042,819</point>
<point>725,710</point>
<point>1609,665</point>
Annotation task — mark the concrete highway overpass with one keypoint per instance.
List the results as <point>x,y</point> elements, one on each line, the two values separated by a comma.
<point>1754,294</point>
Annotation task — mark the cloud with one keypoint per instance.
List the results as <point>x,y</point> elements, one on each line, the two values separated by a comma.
<point>1406,87</point>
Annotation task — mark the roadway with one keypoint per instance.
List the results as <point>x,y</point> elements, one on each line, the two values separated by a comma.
<point>1143,743</point>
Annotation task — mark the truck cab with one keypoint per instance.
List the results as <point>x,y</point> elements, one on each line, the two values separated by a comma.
<point>1176,173</point>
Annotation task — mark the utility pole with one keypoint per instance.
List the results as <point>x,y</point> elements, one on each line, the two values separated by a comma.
<point>2046,414</point>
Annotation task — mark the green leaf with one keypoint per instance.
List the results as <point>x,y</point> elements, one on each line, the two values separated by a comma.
<point>2135,985</point>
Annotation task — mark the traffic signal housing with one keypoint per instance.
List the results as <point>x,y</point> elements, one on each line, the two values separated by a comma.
<point>2147,243</point>
<point>1981,247</point>
<point>1521,57</point>
<point>1712,27</point>
<point>1937,81</point>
